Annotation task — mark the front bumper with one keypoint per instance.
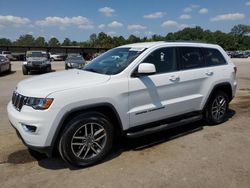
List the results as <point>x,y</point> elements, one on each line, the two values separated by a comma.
<point>40,119</point>
<point>48,150</point>
<point>75,65</point>
<point>37,67</point>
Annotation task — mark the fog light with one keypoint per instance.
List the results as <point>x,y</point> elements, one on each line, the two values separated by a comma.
<point>28,128</point>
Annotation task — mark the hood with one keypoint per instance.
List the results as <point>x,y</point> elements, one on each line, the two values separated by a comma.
<point>76,61</point>
<point>42,86</point>
<point>36,59</point>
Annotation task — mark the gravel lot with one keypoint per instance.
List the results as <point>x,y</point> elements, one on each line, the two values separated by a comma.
<point>211,156</point>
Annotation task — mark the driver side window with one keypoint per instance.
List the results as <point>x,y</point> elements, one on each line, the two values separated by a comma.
<point>164,60</point>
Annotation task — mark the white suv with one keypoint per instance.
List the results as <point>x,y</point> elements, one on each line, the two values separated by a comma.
<point>132,90</point>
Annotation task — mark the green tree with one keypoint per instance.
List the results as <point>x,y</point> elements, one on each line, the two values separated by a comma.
<point>25,40</point>
<point>93,40</point>
<point>157,38</point>
<point>102,40</point>
<point>240,30</point>
<point>75,43</point>
<point>54,42</point>
<point>5,42</point>
<point>66,42</point>
<point>133,39</point>
<point>40,41</point>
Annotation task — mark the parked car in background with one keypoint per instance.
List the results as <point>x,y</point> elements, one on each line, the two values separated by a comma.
<point>238,54</point>
<point>74,61</point>
<point>57,57</point>
<point>247,53</point>
<point>5,65</point>
<point>8,55</point>
<point>36,61</point>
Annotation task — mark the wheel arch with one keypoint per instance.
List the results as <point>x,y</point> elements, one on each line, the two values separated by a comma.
<point>105,108</point>
<point>225,86</point>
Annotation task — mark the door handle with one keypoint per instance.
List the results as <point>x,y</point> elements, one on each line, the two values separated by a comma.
<point>209,73</point>
<point>174,78</point>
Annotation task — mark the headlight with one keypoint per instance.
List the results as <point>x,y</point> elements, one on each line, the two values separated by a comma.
<point>39,103</point>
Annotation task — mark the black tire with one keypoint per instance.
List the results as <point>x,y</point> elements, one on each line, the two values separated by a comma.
<point>25,71</point>
<point>48,68</point>
<point>212,109</point>
<point>66,67</point>
<point>77,155</point>
<point>9,71</point>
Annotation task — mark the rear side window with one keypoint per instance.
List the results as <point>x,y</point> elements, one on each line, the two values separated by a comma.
<point>164,60</point>
<point>214,57</point>
<point>191,58</point>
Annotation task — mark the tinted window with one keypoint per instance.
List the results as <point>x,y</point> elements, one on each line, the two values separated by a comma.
<point>213,57</point>
<point>191,58</point>
<point>164,60</point>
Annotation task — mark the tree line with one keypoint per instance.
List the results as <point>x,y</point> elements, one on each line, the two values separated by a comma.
<point>237,39</point>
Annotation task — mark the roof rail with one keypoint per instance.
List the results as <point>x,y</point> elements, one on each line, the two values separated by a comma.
<point>189,41</point>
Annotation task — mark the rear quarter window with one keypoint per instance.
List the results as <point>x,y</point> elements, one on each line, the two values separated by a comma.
<point>214,57</point>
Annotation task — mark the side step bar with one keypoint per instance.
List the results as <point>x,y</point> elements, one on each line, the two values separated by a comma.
<point>163,127</point>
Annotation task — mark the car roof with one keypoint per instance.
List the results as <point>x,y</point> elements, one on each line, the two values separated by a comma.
<point>164,43</point>
<point>143,44</point>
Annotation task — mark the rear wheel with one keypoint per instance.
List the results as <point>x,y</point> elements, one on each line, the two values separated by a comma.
<point>25,71</point>
<point>216,110</point>
<point>86,140</point>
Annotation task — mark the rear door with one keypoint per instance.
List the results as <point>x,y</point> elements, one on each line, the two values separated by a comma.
<point>194,78</point>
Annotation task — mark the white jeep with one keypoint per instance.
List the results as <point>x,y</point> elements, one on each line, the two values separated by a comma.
<point>132,90</point>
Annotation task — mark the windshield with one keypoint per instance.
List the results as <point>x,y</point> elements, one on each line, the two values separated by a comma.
<point>36,54</point>
<point>114,61</point>
<point>75,58</point>
<point>2,58</point>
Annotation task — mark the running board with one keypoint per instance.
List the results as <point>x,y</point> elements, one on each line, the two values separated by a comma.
<point>163,127</point>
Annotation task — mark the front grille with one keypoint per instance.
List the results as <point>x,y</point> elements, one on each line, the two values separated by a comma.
<point>36,63</point>
<point>18,100</point>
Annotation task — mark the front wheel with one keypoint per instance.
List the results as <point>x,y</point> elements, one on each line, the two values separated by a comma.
<point>216,110</point>
<point>48,68</point>
<point>25,71</point>
<point>86,140</point>
<point>9,71</point>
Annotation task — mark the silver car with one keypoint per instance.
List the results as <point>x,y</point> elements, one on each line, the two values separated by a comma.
<point>5,65</point>
<point>74,61</point>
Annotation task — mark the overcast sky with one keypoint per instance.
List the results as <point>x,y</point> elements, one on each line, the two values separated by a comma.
<point>78,19</point>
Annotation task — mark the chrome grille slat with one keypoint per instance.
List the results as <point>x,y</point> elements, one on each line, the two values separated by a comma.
<point>18,100</point>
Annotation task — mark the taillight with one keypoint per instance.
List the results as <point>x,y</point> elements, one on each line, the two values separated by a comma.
<point>235,70</point>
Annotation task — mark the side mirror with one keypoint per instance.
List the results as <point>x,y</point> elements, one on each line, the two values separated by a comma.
<point>146,69</point>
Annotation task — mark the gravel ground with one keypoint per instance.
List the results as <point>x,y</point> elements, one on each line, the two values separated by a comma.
<point>194,155</point>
